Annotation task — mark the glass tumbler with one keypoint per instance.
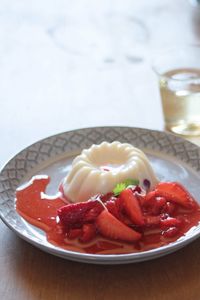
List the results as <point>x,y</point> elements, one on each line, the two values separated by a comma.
<point>178,71</point>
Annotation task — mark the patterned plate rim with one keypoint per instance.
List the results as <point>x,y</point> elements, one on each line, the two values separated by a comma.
<point>13,172</point>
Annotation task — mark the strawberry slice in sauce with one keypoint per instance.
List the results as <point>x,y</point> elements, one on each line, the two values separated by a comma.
<point>168,212</point>
<point>170,222</point>
<point>171,232</point>
<point>175,192</point>
<point>152,221</point>
<point>76,214</point>
<point>74,233</point>
<point>112,228</point>
<point>114,207</point>
<point>88,233</point>
<point>132,207</point>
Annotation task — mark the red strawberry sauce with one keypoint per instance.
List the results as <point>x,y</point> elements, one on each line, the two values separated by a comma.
<point>40,210</point>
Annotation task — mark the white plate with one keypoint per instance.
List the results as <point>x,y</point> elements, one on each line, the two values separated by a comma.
<point>172,158</point>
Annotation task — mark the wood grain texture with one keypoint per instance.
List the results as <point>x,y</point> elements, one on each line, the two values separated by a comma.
<point>47,88</point>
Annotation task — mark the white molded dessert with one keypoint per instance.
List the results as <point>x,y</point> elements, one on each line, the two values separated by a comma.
<point>99,168</point>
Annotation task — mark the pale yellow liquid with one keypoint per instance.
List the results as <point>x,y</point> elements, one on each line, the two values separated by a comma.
<point>180,93</point>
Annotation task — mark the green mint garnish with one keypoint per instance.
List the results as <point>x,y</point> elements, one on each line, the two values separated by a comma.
<point>123,185</point>
<point>119,188</point>
<point>131,182</point>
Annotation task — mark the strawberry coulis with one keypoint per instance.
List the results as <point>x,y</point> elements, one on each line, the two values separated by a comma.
<point>40,210</point>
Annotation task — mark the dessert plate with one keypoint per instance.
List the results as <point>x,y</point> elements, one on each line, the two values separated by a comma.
<point>172,158</point>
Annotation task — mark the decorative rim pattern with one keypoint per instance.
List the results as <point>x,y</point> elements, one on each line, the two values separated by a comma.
<point>73,141</point>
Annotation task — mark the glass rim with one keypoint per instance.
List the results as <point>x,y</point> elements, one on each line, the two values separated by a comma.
<point>175,49</point>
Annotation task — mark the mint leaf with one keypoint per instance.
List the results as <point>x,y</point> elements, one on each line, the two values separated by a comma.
<point>119,188</point>
<point>123,185</point>
<point>131,182</point>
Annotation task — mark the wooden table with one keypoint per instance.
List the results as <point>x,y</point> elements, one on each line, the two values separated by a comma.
<point>79,64</point>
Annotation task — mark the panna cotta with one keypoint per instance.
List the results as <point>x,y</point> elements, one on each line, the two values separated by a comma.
<point>98,169</point>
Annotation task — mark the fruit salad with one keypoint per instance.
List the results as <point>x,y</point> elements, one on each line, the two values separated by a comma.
<point>133,217</point>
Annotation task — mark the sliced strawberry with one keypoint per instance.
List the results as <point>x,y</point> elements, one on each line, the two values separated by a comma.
<point>152,221</point>
<point>154,204</point>
<point>149,197</point>
<point>114,207</point>
<point>141,199</point>
<point>158,205</point>
<point>132,207</point>
<point>170,222</point>
<point>74,233</point>
<point>170,232</point>
<point>75,215</point>
<point>88,233</point>
<point>106,197</point>
<point>175,192</point>
<point>111,227</point>
<point>169,208</point>
<point>93,213</point>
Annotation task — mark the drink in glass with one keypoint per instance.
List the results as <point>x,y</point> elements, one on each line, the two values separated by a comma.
<point>179,81</point>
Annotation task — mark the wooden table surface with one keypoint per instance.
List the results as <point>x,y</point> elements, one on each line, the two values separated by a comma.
<point>72,64</point>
